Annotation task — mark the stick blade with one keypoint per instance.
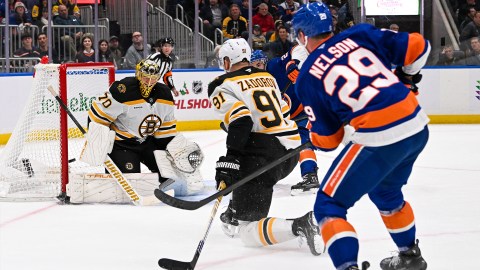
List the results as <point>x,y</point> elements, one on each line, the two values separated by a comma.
<point>174,265</point>
<point>177,203</point>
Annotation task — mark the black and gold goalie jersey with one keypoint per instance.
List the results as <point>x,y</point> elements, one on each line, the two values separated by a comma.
<point>132,117</point>
<point>253,93</point>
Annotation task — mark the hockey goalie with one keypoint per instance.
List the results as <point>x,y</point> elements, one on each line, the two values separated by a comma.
<point>134,123</point>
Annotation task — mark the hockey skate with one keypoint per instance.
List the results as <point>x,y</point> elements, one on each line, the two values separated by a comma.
<point>229,223</point>
<point>306,228</point>
<point>309,185</point>
<point>410,259</point>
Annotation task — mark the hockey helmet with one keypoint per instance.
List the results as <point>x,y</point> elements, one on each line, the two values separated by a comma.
<point>167,40</point>
<point>313,19</point>
<point>148,74</point>
<point>236,50</point>
<point>258,56</point>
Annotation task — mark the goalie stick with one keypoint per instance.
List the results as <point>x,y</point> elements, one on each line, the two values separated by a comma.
<point>179,265</point>
<point>192,205</point>
<point>126,186</point>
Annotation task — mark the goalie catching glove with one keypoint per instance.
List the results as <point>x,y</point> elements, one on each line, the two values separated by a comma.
<point>410,81</point>
<point>228,170</point>
<point>98,145</point>
<point>180,162</point>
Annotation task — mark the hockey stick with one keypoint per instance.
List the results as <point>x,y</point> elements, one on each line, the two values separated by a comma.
<point>136,198</point>
<point>192,205</point>
<point>179,265</point>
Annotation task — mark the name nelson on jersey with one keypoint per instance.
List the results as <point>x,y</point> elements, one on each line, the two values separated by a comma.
<point>248,84</point>
<point>337,50</point>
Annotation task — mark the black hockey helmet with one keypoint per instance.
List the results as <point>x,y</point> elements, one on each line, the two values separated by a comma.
<point>167,40</point>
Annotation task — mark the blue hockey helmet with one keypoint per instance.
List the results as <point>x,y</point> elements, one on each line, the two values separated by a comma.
<point>313,19</point>
<point>258,55</point>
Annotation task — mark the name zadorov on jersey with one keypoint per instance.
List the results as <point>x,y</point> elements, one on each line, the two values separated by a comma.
<point>338,50</point>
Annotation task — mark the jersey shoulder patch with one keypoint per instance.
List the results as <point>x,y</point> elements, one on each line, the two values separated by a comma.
<point>126,89</point>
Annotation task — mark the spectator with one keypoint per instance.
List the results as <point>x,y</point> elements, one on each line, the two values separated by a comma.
<point>244,9</point>
<point>258,39</point>
<point>273,36</point>
<point>86,54</point>
<point>212,59</point>
<point>116,51</point>
<point>448,58</point>
<point>42,41</point>
<point>394,27</point>
<point>474,59</point>
<point>464,8</point>
<point>282,45</point>
<point>43,20</point>
<point>468,18</point>
<point>234,25</point>
<point>289,7</point>
<point>27,49</point>
<point>273,9</point>
<point>213,14</point>
<point>264,19</point>
<point>104,53</point>
<point>135,53</point>
<point>69,4</point>
<point>20,16</point>
<point>68,35</point>
<point>470,30</point>
<point>34,8</point>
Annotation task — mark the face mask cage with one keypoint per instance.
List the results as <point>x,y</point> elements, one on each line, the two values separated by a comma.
<point>148,75</point>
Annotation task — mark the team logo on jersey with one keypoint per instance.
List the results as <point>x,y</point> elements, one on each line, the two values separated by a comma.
<point>197,87</point>
<point>122,88</point>
<point>149,125</point>
<point>129,166</point>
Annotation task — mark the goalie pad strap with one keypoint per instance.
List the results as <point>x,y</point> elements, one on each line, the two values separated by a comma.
<point>98,145</point>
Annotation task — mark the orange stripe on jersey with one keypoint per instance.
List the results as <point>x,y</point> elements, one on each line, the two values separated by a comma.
<point>164,101</point>
<point>101,113</point>
<point>400,221</point>
<point>307,154</point>
<point>335,229</point>
<point>416,46</point>
<point>135,102</point>
<point>297,111</point>
<point>386,115</point>
<point>165,77</point>
<point>328,142</point>
<point>337,175</point>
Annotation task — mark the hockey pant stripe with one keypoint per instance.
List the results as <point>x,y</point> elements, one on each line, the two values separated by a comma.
<point>265,231</point>
<point>400,221</point>
<point>341,170</point>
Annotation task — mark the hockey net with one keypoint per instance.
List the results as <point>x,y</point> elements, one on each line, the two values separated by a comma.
<point>45,144</point>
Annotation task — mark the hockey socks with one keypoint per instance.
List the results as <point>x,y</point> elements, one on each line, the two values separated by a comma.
<point>400,224</point>
<point>341,242</point>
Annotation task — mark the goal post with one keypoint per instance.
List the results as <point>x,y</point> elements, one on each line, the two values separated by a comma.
<point>34,165</point>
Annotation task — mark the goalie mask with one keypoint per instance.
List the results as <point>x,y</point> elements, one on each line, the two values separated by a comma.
<point>148,74</point>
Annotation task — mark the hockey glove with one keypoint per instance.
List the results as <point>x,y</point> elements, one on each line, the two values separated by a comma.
<point>410,81</point>
<point>292,70</point>
<point>228,170</point>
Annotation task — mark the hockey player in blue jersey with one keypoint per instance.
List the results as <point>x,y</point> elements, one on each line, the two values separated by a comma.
<point>346,79</point>
<point>285,69</point>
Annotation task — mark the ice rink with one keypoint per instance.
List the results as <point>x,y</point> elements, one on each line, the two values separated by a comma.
<point>443,191</point>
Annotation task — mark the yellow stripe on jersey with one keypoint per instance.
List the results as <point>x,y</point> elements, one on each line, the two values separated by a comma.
<point>235,106</point>
<point>165,133</point>
<point>96,119</point>
<point>169,123</point>
<point>122,133</point>
<point>101,113</point>
<point>164,101</point>
<point>240,114</point>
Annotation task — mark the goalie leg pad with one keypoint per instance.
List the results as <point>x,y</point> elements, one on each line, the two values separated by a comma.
<point>99,143</point>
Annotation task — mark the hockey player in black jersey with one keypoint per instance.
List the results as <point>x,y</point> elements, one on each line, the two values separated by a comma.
<point>133,119</point>
<point>249,103</point>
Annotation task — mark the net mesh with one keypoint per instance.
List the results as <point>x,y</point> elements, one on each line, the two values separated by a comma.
<point>30,163</point>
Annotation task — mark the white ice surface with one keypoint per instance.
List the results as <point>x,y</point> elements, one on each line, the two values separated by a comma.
<point>443,191</point>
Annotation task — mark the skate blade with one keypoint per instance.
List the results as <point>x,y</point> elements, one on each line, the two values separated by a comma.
<point>297,192</point>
